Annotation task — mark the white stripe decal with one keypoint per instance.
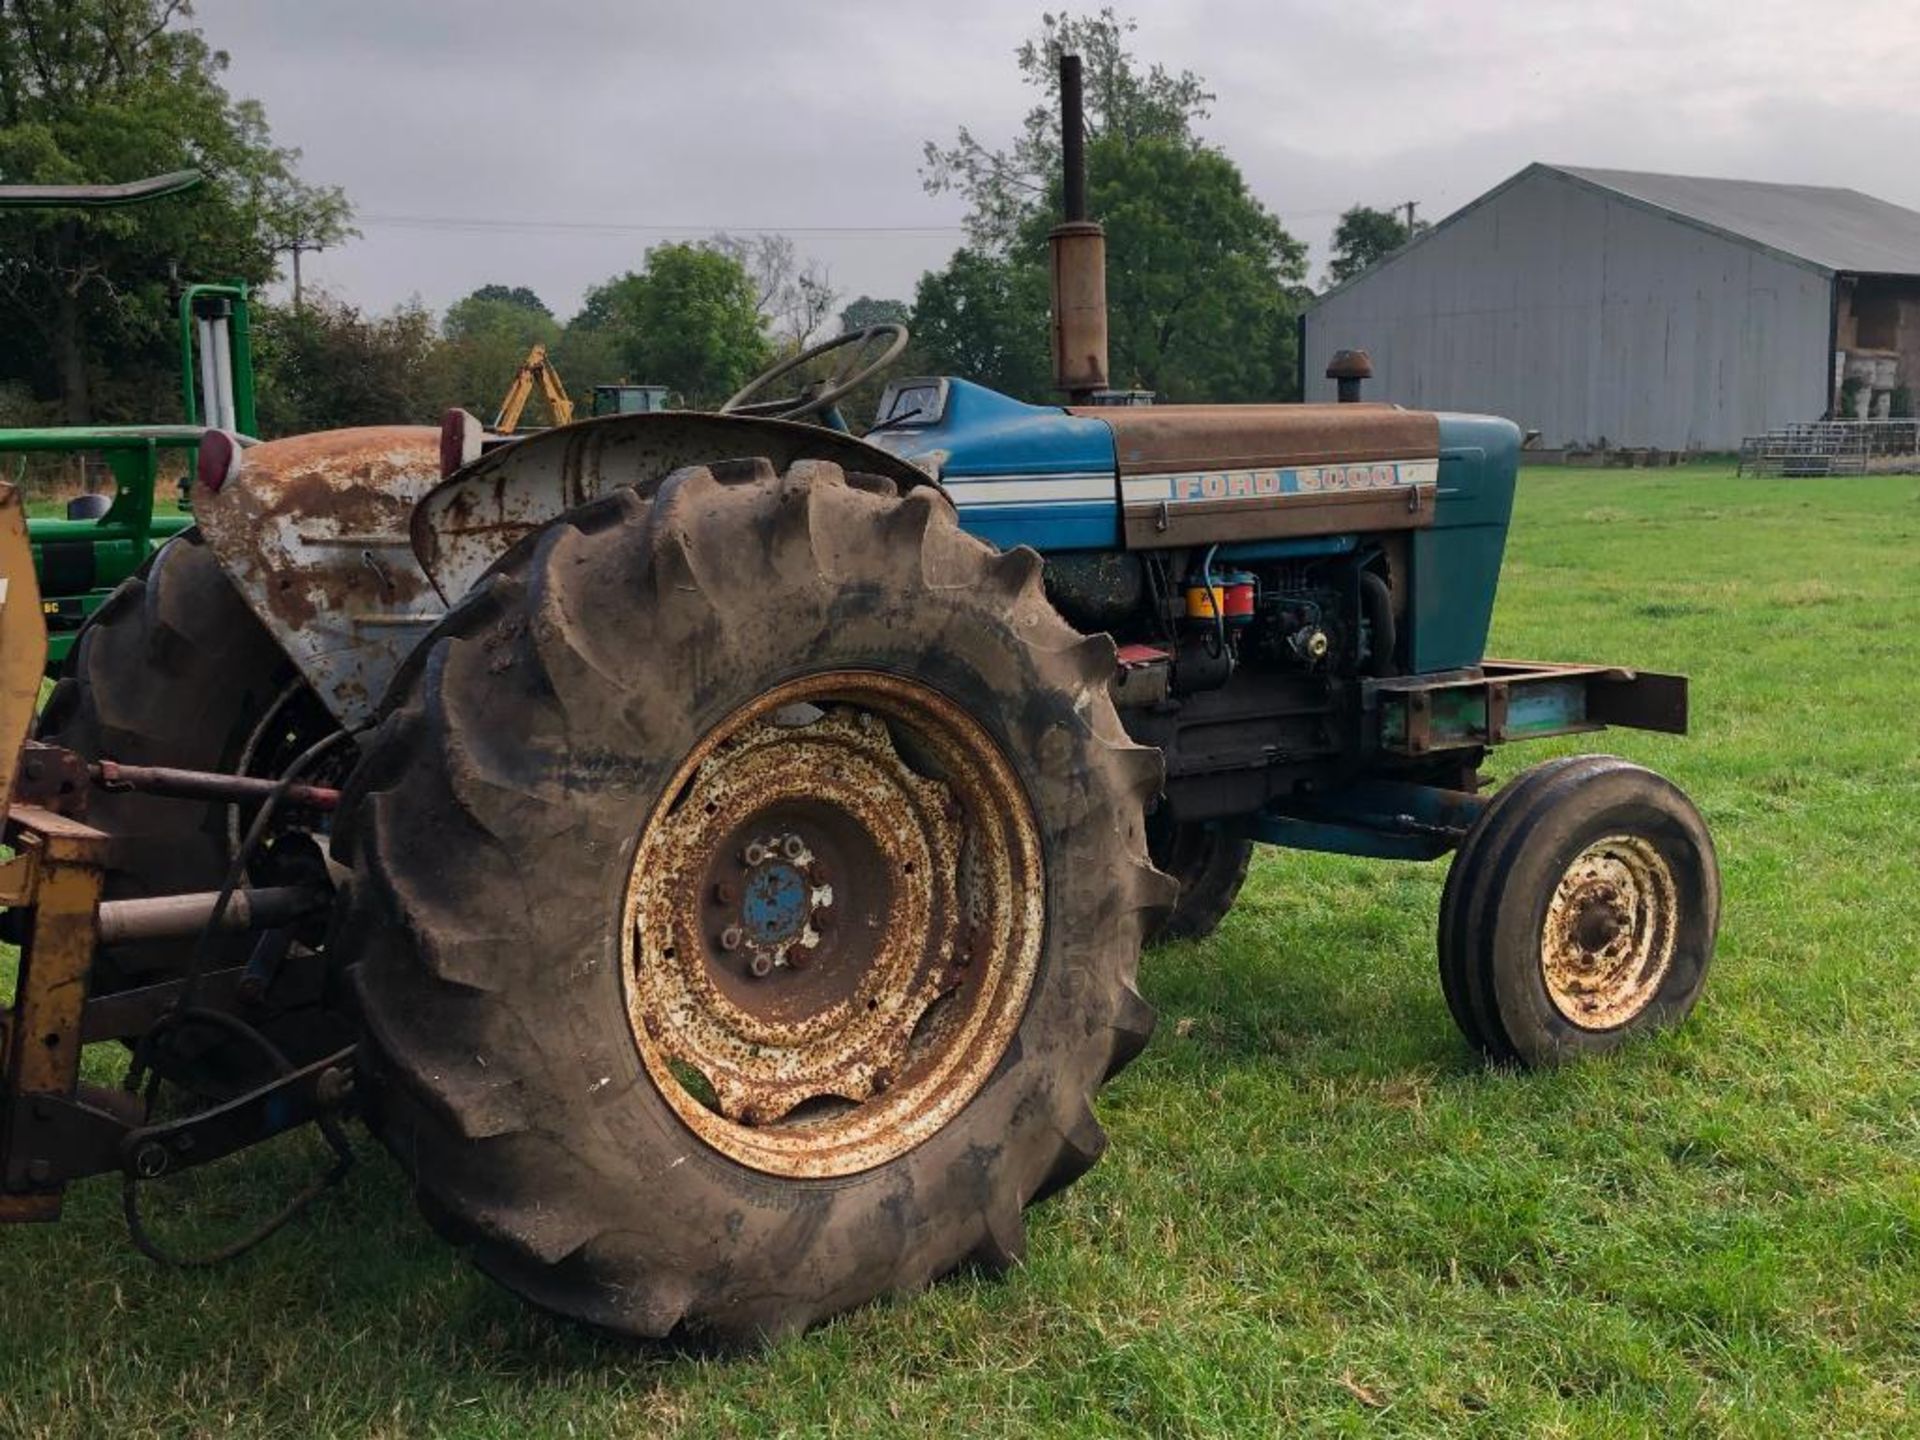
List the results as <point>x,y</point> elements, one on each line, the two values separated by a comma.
<point>1036,492</point>
<point>1185,487</point>
<point>1028,489</point>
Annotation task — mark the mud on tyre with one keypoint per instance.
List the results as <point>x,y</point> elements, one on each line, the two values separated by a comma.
<point>750,880</point>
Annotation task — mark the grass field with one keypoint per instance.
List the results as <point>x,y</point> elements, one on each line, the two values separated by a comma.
<point>1319,1214</point>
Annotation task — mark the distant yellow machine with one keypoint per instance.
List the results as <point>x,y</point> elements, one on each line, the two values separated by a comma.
<point>535,367</point>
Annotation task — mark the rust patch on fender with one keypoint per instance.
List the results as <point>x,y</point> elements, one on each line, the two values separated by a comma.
<point>473,517</point>
<point>313,532</point>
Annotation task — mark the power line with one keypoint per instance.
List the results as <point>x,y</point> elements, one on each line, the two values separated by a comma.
<point>477,222</point>
<point>528,225</point>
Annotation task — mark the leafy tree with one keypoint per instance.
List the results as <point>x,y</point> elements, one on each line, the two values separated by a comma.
<point>687,320</point>
<point>985,318</point>
<point>326,365</point>
<point>513,295</point>
<point>865,311</point>
<point>587,356</point>
<point>94,91</point>
<point>1201,277</point>
<point>1202,281</point>
<point>1122,102</point>
<point>793,297</point>
<point>1365,236</point>
<point>481,314</point>
<point>486,339</point>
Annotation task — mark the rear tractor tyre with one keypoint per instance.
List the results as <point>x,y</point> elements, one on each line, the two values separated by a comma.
<point>1580,911</point>
<point>1209,862</point>
<point>749,885</point>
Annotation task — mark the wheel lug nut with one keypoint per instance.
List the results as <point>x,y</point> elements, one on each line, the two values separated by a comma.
<point>723,893</point>
<point>731,937</point>
<point>793,847</point>
<point>761,966</point>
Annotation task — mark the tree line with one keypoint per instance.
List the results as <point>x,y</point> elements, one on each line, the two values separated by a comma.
<point>1204,282</point>
<point>699,318</point>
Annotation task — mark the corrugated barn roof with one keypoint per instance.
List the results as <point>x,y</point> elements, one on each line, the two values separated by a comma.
<point>1824,225</point>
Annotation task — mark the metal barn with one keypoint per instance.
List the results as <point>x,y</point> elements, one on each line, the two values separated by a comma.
<point>1631,309</point>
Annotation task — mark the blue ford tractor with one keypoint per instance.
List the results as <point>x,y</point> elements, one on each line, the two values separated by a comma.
<point>714,851</point>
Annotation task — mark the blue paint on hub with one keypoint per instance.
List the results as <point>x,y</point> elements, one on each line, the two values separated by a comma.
<point>777,904</point>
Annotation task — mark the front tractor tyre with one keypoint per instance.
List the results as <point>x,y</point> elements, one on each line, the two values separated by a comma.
<point>1580,911</point>
<point>1209,863</point>
<point>749,884</point>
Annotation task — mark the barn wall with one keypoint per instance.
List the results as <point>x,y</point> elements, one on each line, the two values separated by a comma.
<point>1586,317</point>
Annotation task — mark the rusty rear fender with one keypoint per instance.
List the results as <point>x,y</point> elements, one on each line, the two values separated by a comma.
<point>473,517</point>
<point>313,532</point>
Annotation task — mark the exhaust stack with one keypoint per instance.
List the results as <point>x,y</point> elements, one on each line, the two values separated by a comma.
<point>1079,247</point>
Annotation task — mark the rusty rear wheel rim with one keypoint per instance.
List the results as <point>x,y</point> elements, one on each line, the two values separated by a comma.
<point>833,924</point>
<point>1611,928</point>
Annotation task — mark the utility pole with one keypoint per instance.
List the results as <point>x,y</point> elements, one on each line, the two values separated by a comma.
<point>297,244</point>
<point>1408,207</point>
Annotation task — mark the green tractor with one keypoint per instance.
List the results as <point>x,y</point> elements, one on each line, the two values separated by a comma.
<point>104,539</point>
<point>714,852</point>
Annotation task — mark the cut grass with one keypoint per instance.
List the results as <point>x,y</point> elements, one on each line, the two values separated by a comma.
<point>1319,1214</point>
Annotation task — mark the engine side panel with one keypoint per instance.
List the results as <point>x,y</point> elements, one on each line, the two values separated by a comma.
<point>1454,566</point>
<point>1211,474</point>
<point>1259,481</point>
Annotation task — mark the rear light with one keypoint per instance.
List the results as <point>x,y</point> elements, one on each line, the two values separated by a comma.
<point>460,435</point>
<point>219,460</point>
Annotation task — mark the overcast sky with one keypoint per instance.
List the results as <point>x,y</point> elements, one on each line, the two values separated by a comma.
<point>550,145</point>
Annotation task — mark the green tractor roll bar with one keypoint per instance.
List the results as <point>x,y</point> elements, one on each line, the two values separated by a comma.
<point>214,324</point>
<point>80,559</point>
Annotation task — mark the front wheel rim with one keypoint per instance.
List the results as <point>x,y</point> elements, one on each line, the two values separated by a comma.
<point>1611,931</point>
<point>833,924</point>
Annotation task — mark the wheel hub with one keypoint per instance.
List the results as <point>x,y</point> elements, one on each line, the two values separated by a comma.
<point>784,896</point>
<point>1610,930</point>
<point>834,924</point>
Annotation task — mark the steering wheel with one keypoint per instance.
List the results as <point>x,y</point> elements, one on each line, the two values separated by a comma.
<point>819,395</point>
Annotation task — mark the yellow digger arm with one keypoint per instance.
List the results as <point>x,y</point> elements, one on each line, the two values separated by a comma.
<point>556,393</point>
<point>534,367</point>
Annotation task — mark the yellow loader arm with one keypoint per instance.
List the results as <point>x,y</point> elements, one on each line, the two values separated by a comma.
<point>534,369</point>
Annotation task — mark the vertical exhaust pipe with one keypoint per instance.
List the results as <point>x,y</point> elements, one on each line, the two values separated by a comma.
<point>1079,253</point>
<point>1073,139</point>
